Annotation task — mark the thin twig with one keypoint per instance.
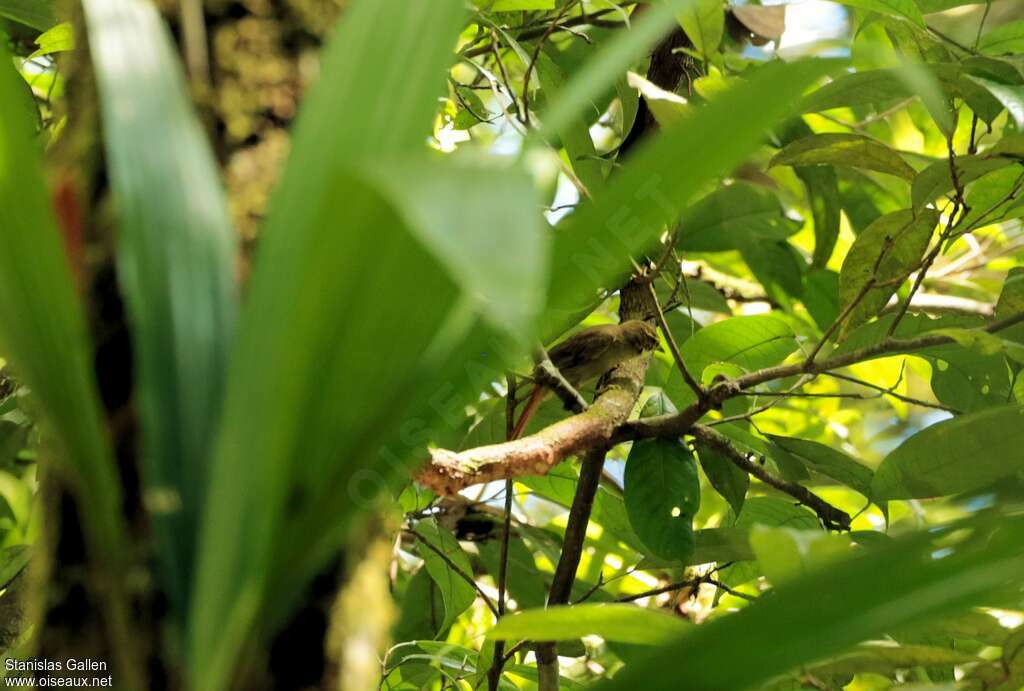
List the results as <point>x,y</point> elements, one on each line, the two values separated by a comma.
<point>456,569</point>
<point>673,348</point>
<point>830,516</point>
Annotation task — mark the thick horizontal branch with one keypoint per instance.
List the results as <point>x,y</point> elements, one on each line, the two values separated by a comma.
<point>605,423</point>
<point>832,517</point>
<point>448,472</point>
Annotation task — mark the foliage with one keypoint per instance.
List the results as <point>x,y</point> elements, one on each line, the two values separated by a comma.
<point>815,482</point>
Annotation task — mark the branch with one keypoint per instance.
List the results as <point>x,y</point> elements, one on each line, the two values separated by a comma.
<point>606,423</point>
<point>832,517</point>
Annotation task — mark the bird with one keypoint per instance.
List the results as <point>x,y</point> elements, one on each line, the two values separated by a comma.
<point>587,355</point>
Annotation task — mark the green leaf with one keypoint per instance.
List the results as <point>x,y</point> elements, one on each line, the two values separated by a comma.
<point>852,150</point>
<point>514,5</point>
<point>786,554</point>
<point>890,248</point>
<point>824,201</point>
<point>662,494</point>
<point>176,264</point>
<point>887,659</point>
<point>828,461</point>
<point>752,342</point>
<point>1011,297</point>
<point>457,593</point>
<point>904,9</point>
<point>42,328</point>
<point>825,612</point>
<point>704,23</point>
<point>524,581</point>
<point>1006,38</point>
<point>667,107</point>
<point>878,89</point>
<point>593,250</point>
<point>726,477</point>
<point>335,253</point>
<point>936,180</point>
<point>56,39</point>
<point>37,14</point>
<point>422,609</point>
<point>575,136</point>
<point>821,296</point>
<point>13,561</point>
<point>1011,96</point>
<point>732,215</point>
<point>952,456</point>
<point>613,622</point>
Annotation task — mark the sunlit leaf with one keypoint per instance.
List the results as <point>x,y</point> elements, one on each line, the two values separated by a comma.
<point>662,495</point>
<point>623,623</point>
<point>853,150</point>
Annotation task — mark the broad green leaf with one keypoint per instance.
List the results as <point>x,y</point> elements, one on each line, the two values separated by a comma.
<point>732,215</point>
<point>778,266</point>
<point>888,249</point>
<point>334,253</point>
<point>878,89</point>
<point>828,461</point>
<point>1005,38</point>
<point>726,477</point>
<point>822,186</point>
<point>593,250</point>
<point>751,342</point>
<point>176,264</point>
<point>852,150</point>
<point>422,609</point>
<point>958,455</point>
<point>985,343</point>
<point>1011,96</point>
<point>13,561</point>
<point>825,612</point>
<point>773,512</point>
<point>904,9</point>
<point>37,14</point>
<point>704,23</point>
<point>662,494</point>
<point>1011,297</point>
<point>613,622</point>
<point>786,554</point>
<point>42,328</point>
<point>936,180</point>
<point>821,296</point>
<point>928,6</point>
<point>56,39</point>
<point>457,593</point>
<point>789,467</point>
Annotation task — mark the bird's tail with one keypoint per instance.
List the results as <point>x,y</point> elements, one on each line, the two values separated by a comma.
<point>532,403</point>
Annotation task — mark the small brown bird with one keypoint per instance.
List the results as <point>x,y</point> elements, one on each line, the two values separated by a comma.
<point>589,354</point>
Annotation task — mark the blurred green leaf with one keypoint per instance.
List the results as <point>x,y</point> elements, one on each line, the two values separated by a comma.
<point>593,250</point>
<point>878,89</point>
<point>662,495</point>
<point>1011,96</point>
<point>37,14</point>
<point>959,455</point>
<point>175,258</point>
<point>786,554</point>
<point>853,150</point>
<point>885,251</point>
<point>732,215</point>
<point>329,308</point>
<point>514,5</point>
<point>456,592</point>
<point>1005,38</point>
<point>824,612</point>
<point>42,328</point>
<point>904,9</point>
<point>613,622</point>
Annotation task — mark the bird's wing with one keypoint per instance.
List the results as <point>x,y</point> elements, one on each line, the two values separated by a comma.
<point>583,349</point>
